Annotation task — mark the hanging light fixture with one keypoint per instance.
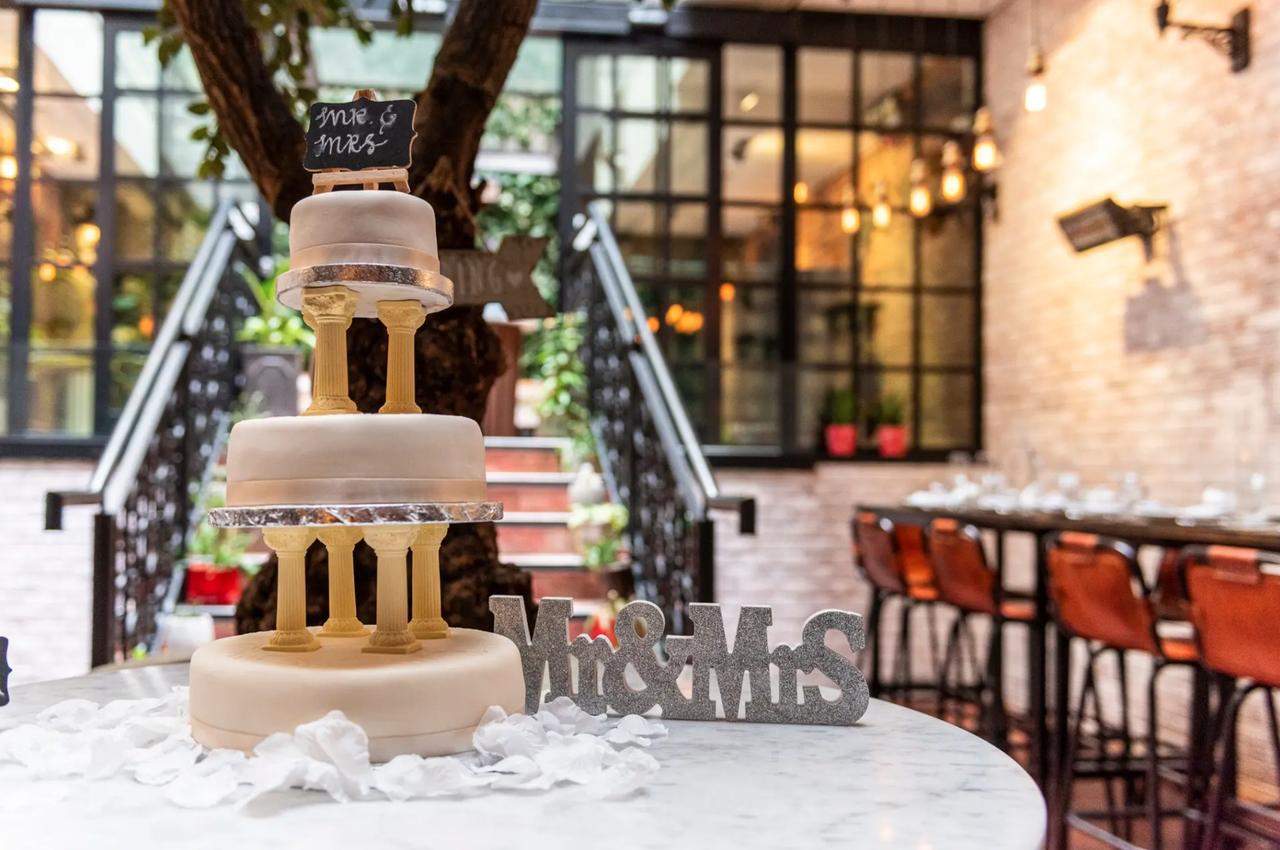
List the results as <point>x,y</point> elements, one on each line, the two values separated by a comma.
<point>921,199</point>
<point>801,192</point>
<point>881,213</point>
<point>8,167</point>
<point>1036,97</point>
<point>953,182</point>
<point>850,217</point>
<point>986,154</point>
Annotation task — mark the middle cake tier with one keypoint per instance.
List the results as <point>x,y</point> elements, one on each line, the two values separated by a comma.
<point>357,459</point>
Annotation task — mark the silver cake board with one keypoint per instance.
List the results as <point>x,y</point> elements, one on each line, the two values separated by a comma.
<point>410,513</point>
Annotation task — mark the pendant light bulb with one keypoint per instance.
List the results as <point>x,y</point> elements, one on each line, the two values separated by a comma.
<point>1036,97</point>
<point>881,213</point>
<point>953,183</point>
<point>986,154</point>
<point>920,200</point>
<point>850,220</point>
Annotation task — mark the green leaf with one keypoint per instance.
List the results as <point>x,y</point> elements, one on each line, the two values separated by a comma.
<point>198,107</point>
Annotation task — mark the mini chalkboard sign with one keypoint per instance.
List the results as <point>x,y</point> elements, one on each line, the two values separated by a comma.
<point>364,133</point>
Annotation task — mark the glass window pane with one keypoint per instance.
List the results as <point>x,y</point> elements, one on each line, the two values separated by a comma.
<point>748,324</point>
<point>135,220</point>
<point>751,164</point>
<point>6,313</point>
<point>167,286</point>
<point>752,82</point>
<point>594,145</point>
<point>825,87</point>
<point>65,140</point>
<point>133,318</point>
<point>638,155</point>
<point>824,167</point>
<point>638,230</point>
<point>137,64</point>
<point>595,82</point>
<point>537,66</point>
<point>388,63</point>
<point>877,386</point>
<point>750,239</point>
<point>948,89</point>
<point>690,85</point>
<point>947,240</point>
<point>688,235</point>
<point>685,318</point>
<point>887,255</point>
<point>68,52</point>
<point>184,218</point>
<point>814,390</point>
<point>946,411</point>
<point>888,96</point>
<point>60,392</point>
<point>749,404</point>
<point>9,47</point>
<point>180,155</point>
<point>947,334</point>
<point>65,223</point>
<point>638,83</point>
<point>62,306</point>
<point>689,157</point>
<point>886,322</point>
<point>125,366</point>
<point>137,132</point>
<point>885,159</point>
<point>691,385</point>
<point>4,390</point>
<point>181,74</point>
<point>824,251</point>
<point>827,321</point>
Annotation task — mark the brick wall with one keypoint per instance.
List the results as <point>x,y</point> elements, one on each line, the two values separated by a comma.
<point>45,576</point>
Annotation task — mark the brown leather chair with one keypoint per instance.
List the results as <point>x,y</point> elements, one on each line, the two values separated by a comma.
<point>1098,596</point>
<point>892,559</point>
<point>965,580</point>
<point>1235,606</point>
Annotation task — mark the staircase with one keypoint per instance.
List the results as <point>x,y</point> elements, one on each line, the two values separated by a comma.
<point>527,475</point>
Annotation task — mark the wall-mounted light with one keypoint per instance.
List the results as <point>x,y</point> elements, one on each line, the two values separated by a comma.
<point>953,182</point>
<point>1106,221</point>
<point>8,167</point>
<point>986,154</point>
<point>1232,40</point>
<point>56,146</point>
<point>850,216</point>
<point>920,200</point>
<point>8,84</point>
<point>800,192</point>
<point>749,102</point>
<point>1036,97</point>
<point>881,212</point>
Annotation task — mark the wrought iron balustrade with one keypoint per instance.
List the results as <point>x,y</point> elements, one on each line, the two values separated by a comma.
<point>163,447</point>
<point>649,452</point>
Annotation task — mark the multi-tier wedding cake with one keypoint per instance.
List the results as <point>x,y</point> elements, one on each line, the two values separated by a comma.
<point>394,479</point>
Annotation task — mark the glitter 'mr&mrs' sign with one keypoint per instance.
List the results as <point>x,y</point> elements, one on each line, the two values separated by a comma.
<point>602,680</point>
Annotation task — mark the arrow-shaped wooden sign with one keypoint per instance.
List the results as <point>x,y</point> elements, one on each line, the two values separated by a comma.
<point>504,276</point>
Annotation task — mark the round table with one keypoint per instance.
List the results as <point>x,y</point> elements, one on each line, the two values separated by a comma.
<point>898,779</point>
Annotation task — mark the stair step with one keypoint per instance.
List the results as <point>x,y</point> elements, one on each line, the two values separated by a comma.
<point>578,584</point>
<point>529,478</point>
<point>519,498</point>
<point>533,538</point>
<point>534,561</point>
<point>524,454</point>
<point>556,518</point>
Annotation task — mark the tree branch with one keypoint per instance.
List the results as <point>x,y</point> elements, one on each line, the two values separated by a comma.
<point>250,110</point>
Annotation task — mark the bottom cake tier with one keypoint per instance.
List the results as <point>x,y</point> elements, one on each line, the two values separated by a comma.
<point>427,702</point>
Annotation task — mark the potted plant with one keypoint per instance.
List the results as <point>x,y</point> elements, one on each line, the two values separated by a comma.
<point>216,565</point>
<point>597,533</point>
<point>274,346</point>
<point>891,434</point>
<point>841,430</point>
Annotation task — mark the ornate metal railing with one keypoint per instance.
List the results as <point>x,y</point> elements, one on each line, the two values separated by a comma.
<point>649,452</point>
<point>164,445</point>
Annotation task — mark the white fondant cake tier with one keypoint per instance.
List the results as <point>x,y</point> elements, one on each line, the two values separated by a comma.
<point>389,228</point>
<point>356,459</point>
<point>427,702</point>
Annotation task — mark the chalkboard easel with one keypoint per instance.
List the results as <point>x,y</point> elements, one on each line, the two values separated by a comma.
<point>351,173</point>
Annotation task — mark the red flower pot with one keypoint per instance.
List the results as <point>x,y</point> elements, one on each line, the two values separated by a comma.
<point>842,440</point>
<point>893,440</point>
<point>208,584</point>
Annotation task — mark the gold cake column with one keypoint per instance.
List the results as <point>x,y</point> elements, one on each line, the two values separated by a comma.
<point>427,622</point>
<point>328,310</point>
<point>342,622</point>
<point>392,634</point>
<point>402,318</point>
<point>290,546</point>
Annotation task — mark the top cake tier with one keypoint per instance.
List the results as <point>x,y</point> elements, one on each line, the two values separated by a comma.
<point>380,244</point>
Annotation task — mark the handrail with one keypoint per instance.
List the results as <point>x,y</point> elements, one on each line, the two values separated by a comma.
<point>121,457</point>
<point>683,448</point>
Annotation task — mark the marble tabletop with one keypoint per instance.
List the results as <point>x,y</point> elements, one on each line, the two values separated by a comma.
<point>898,779</point>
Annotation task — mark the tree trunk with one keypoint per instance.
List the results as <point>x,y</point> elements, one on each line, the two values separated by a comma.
<point>457,356</point>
